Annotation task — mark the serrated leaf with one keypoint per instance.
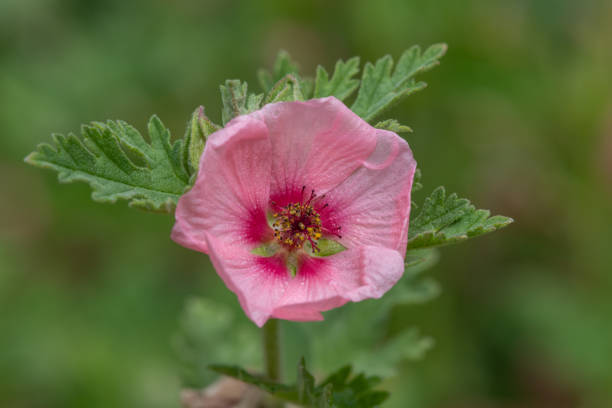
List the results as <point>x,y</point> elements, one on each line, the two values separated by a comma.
<point>307,87</point>
<point>198,129</point>
<point>283,65</point>
<point>284,83</point>
<point>339,390</point>
<point>117,162</point>
<point>286,89</point>
<point>342,84</point>
<point>339,377</point>
<point>237,101</point>
<point>393,125</point>
<point>446,220</point>
<point>382,87</point>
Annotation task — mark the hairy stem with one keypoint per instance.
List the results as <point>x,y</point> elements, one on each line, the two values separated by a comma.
<point>271,344</point>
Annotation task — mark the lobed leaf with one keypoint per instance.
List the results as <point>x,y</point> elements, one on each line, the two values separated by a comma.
<point>283,65</point>
<point>236,100</point>
<point>446,220</point>
<point>339,390</point>
<point>286,89</point>
<point>342,84</point>
<point>382,86</point>
<point>118,163</point>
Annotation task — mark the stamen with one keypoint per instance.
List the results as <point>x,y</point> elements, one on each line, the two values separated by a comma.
<point>297,223</point>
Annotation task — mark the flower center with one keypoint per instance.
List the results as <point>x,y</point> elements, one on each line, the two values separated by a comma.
<point>298,223</point>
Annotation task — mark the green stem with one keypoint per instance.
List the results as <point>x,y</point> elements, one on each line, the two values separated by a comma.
<point>271,344</point>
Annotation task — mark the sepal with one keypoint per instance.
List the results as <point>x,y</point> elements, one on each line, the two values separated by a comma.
<point>198,129</point>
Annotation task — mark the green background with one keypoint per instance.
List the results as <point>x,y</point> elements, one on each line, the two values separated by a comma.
<point>518,118</point>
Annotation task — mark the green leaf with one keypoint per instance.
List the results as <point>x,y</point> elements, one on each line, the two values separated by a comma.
<point>118,163</point>
<point>446,220</point>
<point>342,83</point>
<point>284,83</point>
<point>287,89</point>
<point>351,391</point>
<point>307,87</point>
<point>339,390</point>
<point>283,66</point>
<point>198,129</point>
<point>393,125</point>
<point>236,100</point>
<point>382,87</point>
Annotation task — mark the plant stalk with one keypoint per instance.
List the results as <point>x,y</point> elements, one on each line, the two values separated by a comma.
<point>271,344</point>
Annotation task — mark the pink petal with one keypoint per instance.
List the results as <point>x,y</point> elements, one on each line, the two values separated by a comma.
<point>326,283</point>
<point>265,289</point>
<point>373,205</point>
<point>381,269</point>
<point>258,282</point>
<point>231,192</point>
<point>316,144</point>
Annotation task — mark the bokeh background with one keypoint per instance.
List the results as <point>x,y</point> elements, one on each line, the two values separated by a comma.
<point>518,118</point>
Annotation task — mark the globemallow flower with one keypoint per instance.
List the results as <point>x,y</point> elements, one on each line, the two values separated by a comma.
<point>302,207</point>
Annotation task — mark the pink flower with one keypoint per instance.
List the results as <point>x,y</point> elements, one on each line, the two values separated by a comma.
<point>278,186</point>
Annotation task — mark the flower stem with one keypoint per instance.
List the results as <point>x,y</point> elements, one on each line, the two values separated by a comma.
<point>271,344</point>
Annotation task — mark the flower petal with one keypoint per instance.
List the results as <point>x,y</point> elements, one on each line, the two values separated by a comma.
<point>317,144</point>
<point>258,282</point>
<point>231,191</point>
<point>372,206</point>
<point>381,268</point>
<point>265,289</point>
<point>326,283</point>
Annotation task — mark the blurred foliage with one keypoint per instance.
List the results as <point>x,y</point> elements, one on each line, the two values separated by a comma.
<point>518,118</point>
<point>340,389</point>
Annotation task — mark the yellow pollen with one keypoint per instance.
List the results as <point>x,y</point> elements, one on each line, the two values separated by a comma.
<point>295,224</point>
